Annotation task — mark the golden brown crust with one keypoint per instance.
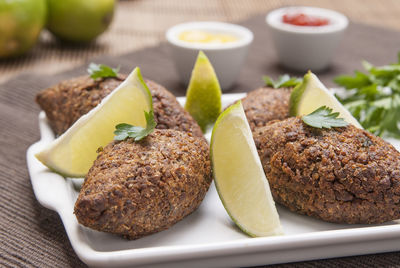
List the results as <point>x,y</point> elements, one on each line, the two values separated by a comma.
<point>67,101</point>
<point>266,104</point>
<point>169,114</point>
<point>138,188</point>
<point>343,175</point>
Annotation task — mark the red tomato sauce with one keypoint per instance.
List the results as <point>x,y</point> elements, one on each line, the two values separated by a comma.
<point>301,19</point>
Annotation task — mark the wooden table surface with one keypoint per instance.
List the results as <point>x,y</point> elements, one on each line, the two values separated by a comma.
<point>141,23</point>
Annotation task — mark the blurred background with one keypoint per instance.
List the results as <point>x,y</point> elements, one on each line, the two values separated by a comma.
<point>142,23</point>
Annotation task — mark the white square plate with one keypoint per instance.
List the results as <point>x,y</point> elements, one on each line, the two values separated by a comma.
<point>206,238</point>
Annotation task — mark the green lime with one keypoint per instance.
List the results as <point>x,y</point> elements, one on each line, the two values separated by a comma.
<point>73,153</point>
<point>312,94</point>
<point>20,24</point>
<point>239,176</point>
<point>203,96</point>
<point>79,21</point>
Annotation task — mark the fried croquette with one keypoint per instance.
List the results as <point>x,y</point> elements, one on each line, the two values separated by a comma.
<point>139,188</point>
<point>341,175</point>
<point>67,101</point>
<point>266,104</point>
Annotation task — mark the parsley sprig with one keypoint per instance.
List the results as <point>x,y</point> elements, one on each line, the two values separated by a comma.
<point>324,118</point>
<point>283,81</point>
<point>373,97</point>
<point>123,131</point>
<point>101,71</point>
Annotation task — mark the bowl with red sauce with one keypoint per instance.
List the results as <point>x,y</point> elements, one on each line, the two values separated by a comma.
<point>306,38</point>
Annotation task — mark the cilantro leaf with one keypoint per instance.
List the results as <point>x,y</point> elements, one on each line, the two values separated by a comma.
<point>324,118</point>
<point>123,131</point>
<point>101,71</point>
<point>283,81</point>
<point>374,97</point>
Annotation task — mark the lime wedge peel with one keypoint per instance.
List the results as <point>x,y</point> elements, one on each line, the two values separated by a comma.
<point>312,94</point>
<point>73,153</point>
<point>203,96</point>
<point>239,176</point>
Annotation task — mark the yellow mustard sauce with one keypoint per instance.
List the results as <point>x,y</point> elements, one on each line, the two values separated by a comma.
<point>198,36</point>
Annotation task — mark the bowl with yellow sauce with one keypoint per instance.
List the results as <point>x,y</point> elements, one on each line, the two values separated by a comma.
<point>225,44</point>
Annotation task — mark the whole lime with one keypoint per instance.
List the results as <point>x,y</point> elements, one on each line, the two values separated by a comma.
<point>20,24</point>
<point>79,21</point>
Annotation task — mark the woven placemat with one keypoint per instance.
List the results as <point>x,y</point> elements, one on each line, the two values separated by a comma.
<point>32,236</point>
<point>142,23</point>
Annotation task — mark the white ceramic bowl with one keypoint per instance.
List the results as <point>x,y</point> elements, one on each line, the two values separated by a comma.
<point>226,58</point>
<point>305,48</point>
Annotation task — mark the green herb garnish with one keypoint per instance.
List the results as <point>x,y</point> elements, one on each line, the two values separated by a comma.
<point>283,81</point>
<point>324,118</point>
<point>101,71</point>
<point>374,97</point>
<point>123,131</point>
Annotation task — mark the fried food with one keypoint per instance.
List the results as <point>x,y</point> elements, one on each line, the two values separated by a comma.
<point>341,175</point>
<point>67,101</point>
<point>266,104</point>
<point>139,188</point>
<point>169,114</point>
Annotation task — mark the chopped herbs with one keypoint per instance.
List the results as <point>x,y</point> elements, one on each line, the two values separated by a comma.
<point>283,81</point>
<point>373,97</point>
<point>324,118</point>
<point>123,131</point>
<point>101,71</point>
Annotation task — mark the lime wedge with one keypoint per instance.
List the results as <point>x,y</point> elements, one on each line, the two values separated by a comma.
<point>239,176</point>
<point>203,96</point>
<point>73,153</point>
<point>312,94</point>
